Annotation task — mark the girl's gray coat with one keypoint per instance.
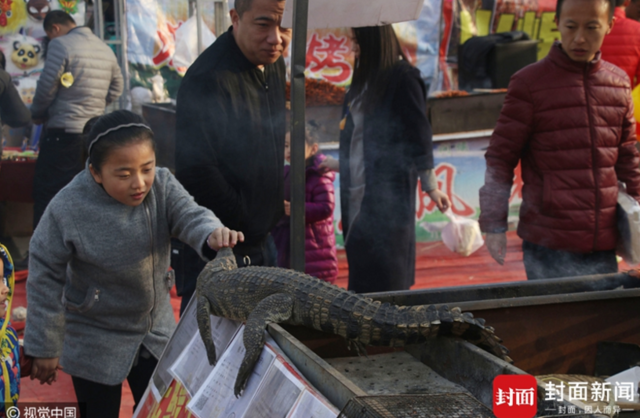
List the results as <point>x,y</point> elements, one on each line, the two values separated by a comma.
<point>98,286</point>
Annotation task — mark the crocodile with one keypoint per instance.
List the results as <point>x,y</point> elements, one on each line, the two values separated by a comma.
<point>264,295</point>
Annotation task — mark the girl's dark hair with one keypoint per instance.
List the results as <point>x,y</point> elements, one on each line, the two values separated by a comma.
<point>3,60</point>
<point>612,6</point>
<point>85,136</point>
<point>379,51</point>
<point>119,137</point>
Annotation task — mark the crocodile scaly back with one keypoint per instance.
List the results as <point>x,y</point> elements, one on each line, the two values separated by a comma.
<point>263,295</point>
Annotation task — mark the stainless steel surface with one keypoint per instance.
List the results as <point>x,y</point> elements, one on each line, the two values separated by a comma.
<point>459,405</point>
<point>464,364</point>
<point>329,381</point>
<point>619,285</point>
<point>394,374</point>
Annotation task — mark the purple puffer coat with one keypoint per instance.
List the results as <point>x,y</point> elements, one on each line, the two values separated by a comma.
<point>320,239</point>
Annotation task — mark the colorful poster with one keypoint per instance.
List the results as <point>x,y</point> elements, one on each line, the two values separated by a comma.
<point>162,43</point>
<point>329,56</point>
<point>22,35</point>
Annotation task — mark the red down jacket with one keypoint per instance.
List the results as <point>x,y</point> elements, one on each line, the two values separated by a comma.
<point>572,126</point>
<point>622,46</point>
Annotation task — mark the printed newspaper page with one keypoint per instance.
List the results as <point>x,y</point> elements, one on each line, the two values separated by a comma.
<point>192,368</point>
<point>215,398</point>
<point>277,394</point>
<point>311,406</point>
<point>186,328</point>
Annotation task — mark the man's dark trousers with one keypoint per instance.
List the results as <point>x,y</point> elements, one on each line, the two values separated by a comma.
<point>59,160</point>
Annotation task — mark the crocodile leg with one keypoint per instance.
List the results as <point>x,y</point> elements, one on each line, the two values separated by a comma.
<point>203,313</point>
<point>272,309</point>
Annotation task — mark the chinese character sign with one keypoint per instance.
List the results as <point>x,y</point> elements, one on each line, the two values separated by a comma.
<point>515,396</point>
<point>329,56</point>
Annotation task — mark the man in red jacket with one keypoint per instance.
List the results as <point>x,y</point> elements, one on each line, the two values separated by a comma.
<point>621,47</point>
<point>569,119</point>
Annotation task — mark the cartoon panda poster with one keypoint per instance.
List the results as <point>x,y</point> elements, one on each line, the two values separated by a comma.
<point>23,55</point>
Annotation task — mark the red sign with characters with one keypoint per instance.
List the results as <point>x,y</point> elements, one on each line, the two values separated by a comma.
<point>515,396</point>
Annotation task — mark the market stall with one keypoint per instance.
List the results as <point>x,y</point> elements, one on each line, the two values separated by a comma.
<point>443,377</point>
<point>160,39</point>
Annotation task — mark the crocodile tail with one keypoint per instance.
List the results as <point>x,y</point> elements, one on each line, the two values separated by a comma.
<point>421,322</point>
<point>474,330</point>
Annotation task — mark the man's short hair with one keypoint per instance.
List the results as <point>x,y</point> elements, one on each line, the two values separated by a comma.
<point>242,6</point>
<point>620,3</point>
<point>612,6</point>
<point>57,17</point>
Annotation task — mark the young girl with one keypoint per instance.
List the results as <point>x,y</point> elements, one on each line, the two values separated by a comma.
<point>10,373</point>
<point>320,240</point>
<point>98,289</point>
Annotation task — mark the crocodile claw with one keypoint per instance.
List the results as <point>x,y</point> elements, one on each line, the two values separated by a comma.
<point>241,380</point>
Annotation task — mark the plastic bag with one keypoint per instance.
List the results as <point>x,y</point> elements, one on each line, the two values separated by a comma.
<point>462,235</point>
<point>186,50</point>
<point>628,214</point>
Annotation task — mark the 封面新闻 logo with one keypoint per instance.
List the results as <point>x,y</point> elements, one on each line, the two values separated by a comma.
<point>515,396</point>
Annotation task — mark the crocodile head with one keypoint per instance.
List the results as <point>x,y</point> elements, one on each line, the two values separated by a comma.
<point>224,261</point>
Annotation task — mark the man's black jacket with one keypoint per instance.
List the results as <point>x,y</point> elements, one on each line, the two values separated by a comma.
<point>230,138</point>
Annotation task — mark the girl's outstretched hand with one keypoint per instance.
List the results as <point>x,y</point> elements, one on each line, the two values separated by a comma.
<point>45,370</point>
<point>224,237</point>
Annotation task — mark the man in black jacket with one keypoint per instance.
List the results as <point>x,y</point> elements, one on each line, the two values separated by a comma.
<point>230,133</point>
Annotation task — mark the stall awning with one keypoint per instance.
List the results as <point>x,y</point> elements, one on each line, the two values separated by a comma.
<point>355,13</point>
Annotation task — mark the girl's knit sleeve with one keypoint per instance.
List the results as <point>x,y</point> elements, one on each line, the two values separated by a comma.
<point>49,254</point>
<point>188,221</point>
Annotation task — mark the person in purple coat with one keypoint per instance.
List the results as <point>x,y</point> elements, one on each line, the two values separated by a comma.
<point>320,240</point>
